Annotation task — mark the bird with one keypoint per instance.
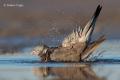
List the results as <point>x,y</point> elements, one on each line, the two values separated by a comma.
<point>75,47</point>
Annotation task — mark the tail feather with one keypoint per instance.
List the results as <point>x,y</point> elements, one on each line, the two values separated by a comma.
<point>88,51</point>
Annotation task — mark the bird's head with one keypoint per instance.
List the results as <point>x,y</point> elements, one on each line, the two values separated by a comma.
<point>39,50</point>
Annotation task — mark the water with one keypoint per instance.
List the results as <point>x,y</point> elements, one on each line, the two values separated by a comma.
<point>24,66</point>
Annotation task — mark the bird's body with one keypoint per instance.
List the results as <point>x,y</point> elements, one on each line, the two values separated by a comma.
<point>68,53</point>
<point>76,46</point>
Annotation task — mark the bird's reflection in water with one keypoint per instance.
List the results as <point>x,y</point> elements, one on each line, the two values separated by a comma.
<point>66,73</point>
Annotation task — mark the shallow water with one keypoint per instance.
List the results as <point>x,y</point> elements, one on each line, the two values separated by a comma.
<point>24,66</point>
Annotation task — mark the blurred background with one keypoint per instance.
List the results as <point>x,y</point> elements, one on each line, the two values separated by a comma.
<point>27,23</point>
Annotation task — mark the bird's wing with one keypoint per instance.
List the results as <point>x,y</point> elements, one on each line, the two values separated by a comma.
<point>82,35</point>
<point>88,29</point>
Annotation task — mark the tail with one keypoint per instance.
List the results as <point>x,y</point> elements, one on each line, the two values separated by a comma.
<point>88,29</point>
<point>92,47</point>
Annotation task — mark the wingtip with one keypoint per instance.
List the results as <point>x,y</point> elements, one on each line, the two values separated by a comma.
<point>99,8</point>
<point>100,5</point>
<point>97,12</point>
